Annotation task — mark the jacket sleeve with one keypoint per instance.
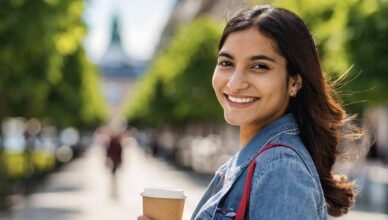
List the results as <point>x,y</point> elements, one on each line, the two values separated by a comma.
<point>283,189</point>
<point>208,193</point>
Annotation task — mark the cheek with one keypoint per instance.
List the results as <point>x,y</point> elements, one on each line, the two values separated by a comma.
<point>217,81</point>
<point>274,88</point>
<point>214,81</point>
<point>280,95</point>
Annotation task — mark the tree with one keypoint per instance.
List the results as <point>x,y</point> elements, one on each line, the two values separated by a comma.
<point>177,88</point>
<point>42,64</point>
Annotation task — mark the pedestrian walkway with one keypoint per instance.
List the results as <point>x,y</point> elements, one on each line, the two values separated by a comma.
<point>357,215</point>
<point>82,189</point>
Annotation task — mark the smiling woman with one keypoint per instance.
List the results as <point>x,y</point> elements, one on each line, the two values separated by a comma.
<point>251,82</point>
<point>269,82</point>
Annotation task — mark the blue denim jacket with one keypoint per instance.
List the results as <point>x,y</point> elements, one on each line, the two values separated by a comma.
<point>285,183</point>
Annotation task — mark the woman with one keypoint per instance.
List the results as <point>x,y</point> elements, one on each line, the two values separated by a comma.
<point>269,81</point>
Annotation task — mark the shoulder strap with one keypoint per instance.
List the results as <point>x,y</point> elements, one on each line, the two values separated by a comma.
<point>247,188</point>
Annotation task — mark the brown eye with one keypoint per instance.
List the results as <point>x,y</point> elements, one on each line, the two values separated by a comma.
<point>225,63</point>
<point>260,66</point>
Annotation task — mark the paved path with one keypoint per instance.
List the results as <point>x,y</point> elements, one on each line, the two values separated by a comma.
<point>82,190</point>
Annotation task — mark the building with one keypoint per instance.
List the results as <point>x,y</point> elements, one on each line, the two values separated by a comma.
<point>119,72</point>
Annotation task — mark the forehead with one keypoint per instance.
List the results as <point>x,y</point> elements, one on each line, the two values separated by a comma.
<point>250,42</point>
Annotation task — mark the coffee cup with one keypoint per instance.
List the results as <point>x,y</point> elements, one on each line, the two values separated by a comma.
<point>163,203</point>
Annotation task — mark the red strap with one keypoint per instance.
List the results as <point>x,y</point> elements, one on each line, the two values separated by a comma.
<point>247,188</point>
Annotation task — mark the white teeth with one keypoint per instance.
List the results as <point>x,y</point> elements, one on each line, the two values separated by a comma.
<point>240,100</point>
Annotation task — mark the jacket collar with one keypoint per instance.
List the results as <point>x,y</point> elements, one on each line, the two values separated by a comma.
<point>264,136</point>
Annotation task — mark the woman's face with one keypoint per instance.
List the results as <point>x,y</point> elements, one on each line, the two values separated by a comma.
<point>250,79</point>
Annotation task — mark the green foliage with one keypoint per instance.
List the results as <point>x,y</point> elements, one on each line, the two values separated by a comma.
<point>42,162</point>
<point>80,91</point>
<point>16,164</point>
<point>327,20</point>
<point>43,69</point>
<point>93,110</point>
<point>177,88</point>
<point>368,50</point>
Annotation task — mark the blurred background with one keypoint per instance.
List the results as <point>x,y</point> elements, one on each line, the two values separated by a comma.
<point>101,98</point>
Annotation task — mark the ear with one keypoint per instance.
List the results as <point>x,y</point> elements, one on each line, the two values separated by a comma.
<point>295,82</point>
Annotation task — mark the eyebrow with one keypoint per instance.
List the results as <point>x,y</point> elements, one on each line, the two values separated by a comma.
<point>262,57</point>
<point>225,54</point>
<point>253,58</point>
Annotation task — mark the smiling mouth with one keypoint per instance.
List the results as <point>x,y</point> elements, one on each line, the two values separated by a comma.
<point>241,100</point>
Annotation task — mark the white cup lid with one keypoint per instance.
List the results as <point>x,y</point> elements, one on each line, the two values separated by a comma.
<point>165,193</point>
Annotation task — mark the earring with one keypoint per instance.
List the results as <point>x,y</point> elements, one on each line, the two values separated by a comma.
<point>293,93</point>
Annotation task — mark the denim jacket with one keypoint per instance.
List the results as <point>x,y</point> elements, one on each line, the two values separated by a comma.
<point>285,182</point>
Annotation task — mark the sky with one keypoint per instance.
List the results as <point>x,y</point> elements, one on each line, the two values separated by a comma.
<point>142,22</point>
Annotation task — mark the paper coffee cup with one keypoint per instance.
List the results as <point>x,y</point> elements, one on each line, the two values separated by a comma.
<point>163,203</point>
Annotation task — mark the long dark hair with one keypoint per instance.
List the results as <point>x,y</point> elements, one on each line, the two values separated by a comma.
<point>321,118</point>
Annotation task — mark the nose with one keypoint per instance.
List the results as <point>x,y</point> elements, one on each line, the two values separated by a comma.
<point>237,81</point>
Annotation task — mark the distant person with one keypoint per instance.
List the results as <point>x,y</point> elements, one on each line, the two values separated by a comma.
<point>114,152</point>
<point>269,82</point>
<point>154,144</point>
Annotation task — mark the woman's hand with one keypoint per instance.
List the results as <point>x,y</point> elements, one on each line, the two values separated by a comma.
<point>143,218</point>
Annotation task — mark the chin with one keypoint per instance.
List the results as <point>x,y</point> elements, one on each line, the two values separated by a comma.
<point>233,121</point>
